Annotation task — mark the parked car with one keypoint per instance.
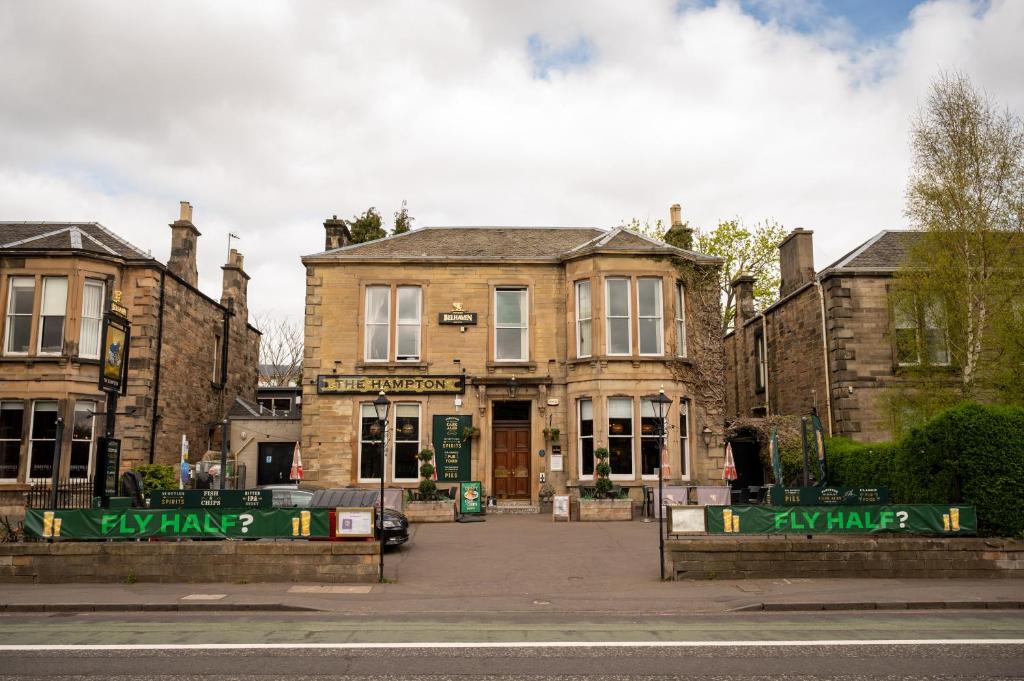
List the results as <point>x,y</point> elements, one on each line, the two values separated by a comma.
<point>289,496</point>
<point>396,525</point>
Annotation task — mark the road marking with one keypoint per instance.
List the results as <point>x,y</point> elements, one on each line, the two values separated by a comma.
<point>203,597</point>
<point>515,644</point>
<point>330,589</point>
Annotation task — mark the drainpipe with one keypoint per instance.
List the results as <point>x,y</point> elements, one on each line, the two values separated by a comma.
<point>156,374</point>
<point>764,358</point>
<point>824,349</point>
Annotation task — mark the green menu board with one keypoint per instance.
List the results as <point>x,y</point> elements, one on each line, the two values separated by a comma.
<point>470,497</point>
<point>452,449</point>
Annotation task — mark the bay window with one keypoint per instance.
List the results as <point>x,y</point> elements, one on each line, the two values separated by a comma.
<point>92,319</point>
<point>585,414</point>
<point>511,325</point>
<point>81,440</point>
<point>584,338</point>
<point>12,418</point>
<point>20,301</point>
<point>618,338</point>
<point>51,315</point>
<point>650,440</point>
<point>649,322</point>
<point>620,437</point>
<point>42,440</point>
<point>680,320</point>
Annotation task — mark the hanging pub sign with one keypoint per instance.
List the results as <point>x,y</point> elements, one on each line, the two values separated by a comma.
<point>392,385</point>
<point>116,337</point>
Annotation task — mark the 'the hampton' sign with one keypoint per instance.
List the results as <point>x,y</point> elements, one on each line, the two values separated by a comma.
<point>392,385</point>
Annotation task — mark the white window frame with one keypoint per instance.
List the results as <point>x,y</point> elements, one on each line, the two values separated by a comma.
<point>661,459</point>
<point>659,307</point>
<point>42,317</point>
<point>32,438</point>
<point>608,317</point>
<point>376,444</point>
<point>367,324</point>
<point>931,321</point>
<point>523,326</point>
<point>418,324</point>
<point>680,319</point>
<point>90,406</point>
<point>396,439</point>
<point>580,319</point>
<point>902,321</point>
<point>632,437</point>
<point>580,437</point>
<point>684,440</point>
<point>20,406</point>
<point>11,285</point>
<point>92,353</point>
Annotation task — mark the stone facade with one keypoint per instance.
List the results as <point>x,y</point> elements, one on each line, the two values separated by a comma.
<point>848,389</point>
<point>463,268</point>
<point>177,335</point>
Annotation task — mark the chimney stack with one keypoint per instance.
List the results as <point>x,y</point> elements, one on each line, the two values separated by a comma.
<point>236,282</point>
<point>679,233</point>
<point>184,238</point>
<point>743,297</point>
<point>796,260</point>
<point>337,233</point>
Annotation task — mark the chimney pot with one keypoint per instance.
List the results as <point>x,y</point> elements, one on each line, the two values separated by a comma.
<point>676,212</point>
<point>184,238</point>
<point>185,211</point>
<point>796,260</point>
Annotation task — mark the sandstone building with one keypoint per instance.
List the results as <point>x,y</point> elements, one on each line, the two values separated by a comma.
<point>832,342</point>
<point>190,355</point>
<point>530,346</point>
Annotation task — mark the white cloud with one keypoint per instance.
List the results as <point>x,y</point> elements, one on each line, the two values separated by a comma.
<point>272,116</point>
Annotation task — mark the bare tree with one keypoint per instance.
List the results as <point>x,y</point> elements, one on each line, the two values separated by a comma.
<point>281,350</point>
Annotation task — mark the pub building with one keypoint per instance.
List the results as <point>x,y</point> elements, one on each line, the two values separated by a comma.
<point>513,352</point>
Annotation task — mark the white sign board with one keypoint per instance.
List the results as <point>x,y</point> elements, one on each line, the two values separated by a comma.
<point>556,462</point>
<point>560,507</point>
<point>354,523</point>
<point>686,520</point>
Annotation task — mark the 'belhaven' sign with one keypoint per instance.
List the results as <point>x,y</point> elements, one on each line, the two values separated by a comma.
<point>457,318</point>
<point>392,385</point>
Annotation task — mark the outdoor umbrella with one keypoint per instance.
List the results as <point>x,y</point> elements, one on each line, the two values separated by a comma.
<point>296,472</point>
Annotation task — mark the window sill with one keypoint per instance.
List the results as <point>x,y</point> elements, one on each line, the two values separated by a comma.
<point>662,359</point>
<point>512,364</point>
<point>391,366</point>
<point>46,359</point>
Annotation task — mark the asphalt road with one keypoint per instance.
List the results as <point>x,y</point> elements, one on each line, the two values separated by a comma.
<point>841,645</point>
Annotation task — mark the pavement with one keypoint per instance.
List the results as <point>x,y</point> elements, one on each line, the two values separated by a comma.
<point>525,564</point>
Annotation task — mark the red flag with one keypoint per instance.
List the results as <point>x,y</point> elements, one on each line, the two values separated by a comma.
<point>296,472</point>
<point>730,465</point>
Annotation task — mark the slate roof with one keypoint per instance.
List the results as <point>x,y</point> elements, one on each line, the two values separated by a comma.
<point>887,250</point>
<point>244,409</point>
<point>66,236</point>
<point>512,243</point>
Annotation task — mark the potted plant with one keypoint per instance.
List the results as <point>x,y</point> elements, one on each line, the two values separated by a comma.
<point>552,434</point>
<point>605,503</point>
<point>470,432</point>
<point>431,507</point>
<point>547,492</point>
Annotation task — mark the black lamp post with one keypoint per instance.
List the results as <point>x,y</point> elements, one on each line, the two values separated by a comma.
<point>381,405</point>
<point>661,405</point>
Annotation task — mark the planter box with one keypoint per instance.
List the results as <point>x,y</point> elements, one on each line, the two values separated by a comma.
<point>430,511</point>
<point>606,509</point>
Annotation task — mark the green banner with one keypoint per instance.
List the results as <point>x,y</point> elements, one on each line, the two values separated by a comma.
<point>212,498</point>
<point>470,497</point>
<point>452,448</point>
<point>200,522</point>
<point>907,518</point>
<point>779,495</point>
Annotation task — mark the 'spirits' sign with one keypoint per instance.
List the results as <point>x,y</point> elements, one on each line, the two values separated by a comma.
<point>139,523</point>
<point>212,498</point>
<point>392,385</point>
<point>908,519</point>
<point>452,449</point>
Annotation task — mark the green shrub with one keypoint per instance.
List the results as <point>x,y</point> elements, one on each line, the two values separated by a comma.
<point>157,476</point>
<point>971,454</point>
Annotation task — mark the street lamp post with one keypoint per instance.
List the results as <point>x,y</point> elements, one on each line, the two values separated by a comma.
<point>661,405</point>
<point>381,405</point>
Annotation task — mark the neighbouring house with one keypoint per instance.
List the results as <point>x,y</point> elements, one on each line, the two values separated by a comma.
<point>264,433</point>
<point>514,352</point>
<point>833,344</point>
<point>190,355</point>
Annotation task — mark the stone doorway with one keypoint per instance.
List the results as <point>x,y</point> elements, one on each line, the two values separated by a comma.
<point>510,447</point>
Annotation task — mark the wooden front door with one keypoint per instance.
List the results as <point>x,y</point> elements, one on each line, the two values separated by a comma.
<point>511,461</point>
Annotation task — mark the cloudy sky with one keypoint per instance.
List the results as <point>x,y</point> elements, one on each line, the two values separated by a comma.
<point>270,116</point>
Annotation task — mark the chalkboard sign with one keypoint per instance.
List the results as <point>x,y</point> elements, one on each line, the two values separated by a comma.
<point>452,448</point>
<point>212,498</point>
<point>108,465</point>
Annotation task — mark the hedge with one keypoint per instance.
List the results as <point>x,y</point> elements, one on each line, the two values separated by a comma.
<point>972,454</point>
<point>157,476</point>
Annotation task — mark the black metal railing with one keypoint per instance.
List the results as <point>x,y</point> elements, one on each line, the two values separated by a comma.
<point>76,493</point>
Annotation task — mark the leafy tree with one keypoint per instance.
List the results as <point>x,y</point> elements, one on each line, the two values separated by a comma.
<point>367,227</point>
<point>754,252</point>
<point>964,275</point>
<point>403,222</point>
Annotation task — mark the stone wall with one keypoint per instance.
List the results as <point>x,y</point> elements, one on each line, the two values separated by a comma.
<point>189,561</point>
<point>837,556</point>
<point>796,355</point>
